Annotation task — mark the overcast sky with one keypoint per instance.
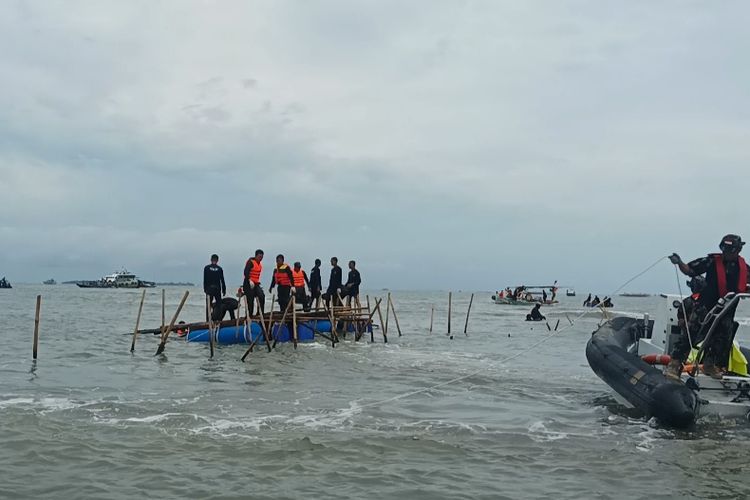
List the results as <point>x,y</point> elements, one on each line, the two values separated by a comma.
<point>441,144</point>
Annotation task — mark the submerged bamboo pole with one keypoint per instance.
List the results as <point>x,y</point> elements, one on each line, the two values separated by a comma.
<point>266,333</point>
<point>281,325</point>
<point>37,316</point>
<point>369,322</point>
<point>165,336</point>
<point>466,325</point>
<point>395,318</point>
<point>163,308</point>
<point>138,322</point>
<point>432,316</point>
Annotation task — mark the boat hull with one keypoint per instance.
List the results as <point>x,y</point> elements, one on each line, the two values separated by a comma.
<point>640,384</point>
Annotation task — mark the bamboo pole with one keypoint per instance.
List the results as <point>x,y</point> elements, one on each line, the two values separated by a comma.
<point>164,337</point>
<point>380,315</point>
<point>270,316</point>
<point>266,333</point>
<point>466,325</point>
<point>330,318</point>
<point>294,321</point>
<point>395,318</point>
<point>450,297</point>
<point>387,310</point>
<point>210,328</point>
<point>138,321</point>
<point>432,316</point>
<point>37,316</point>
<point>281,325</point>
<point>369,322</point>
<point>163,308</point>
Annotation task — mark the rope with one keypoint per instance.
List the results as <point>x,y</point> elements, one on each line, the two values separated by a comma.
<point>504,360</point>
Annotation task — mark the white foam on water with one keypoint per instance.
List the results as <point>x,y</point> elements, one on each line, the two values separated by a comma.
<point>539,433</point>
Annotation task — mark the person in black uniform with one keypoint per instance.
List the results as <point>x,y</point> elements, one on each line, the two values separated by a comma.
<point>283,277</point>
<point>213,282</point>
<point>725,272</point>
<point>334,283</point>
<point>353,280</point>
<point>316,284</point>
<point>227,305</point>
<point>535,314</point>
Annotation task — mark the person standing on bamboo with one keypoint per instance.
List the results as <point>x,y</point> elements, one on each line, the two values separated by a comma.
<point>213,281</point>
<point>251,282</point>
<point>353,280</point>
<point>334,283</point>
<point>300,279</point>
<point>315,283</point>
<point>282,276</point>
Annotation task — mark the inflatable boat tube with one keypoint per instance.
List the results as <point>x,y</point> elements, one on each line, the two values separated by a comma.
<point>238,335</point>
<point>608,352</point>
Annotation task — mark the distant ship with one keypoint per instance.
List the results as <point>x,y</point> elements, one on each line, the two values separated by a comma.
<point>120,279</point>
<point>50,281</point>
<point>636,295</point>
<point>175,283</point>
<point>5,283</point>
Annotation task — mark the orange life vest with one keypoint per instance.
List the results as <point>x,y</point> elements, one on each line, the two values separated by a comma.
<point>721,275</point>
<point>299,277</point>
<point>281,276</point>
<point>255,271</point>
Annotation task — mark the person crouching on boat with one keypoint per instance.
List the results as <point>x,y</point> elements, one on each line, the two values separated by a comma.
<point>725,272</point>
<point>283,277</point>
<point>535,314</point>
<point>213,281</point>
<point>227,305</point>
<point>251,282</point>
<point>300,280</point>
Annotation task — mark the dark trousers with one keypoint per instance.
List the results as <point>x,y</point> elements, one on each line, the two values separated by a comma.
<point>251,294</point>
<point>301,297</point>
<point>214,297</point>
<point>284,296</point>
<point>331,293</point>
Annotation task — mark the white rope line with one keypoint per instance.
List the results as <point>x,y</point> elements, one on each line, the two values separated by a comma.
<point>504,360</point>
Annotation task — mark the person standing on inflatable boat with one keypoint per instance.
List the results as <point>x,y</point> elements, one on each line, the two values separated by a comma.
<point>725,272</point>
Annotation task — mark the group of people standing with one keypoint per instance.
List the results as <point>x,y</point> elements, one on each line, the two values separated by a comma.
<point>290,281</point>
<point>589,302</point>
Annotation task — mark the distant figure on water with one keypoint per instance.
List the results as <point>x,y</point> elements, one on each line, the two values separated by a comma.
<point>554,291</point>
<point>587,302</point>
<point>213,281</point>
<point>607,302</point>
<point>595,302</point>
<point>535,314</point>
<point>544,296</point>
<point>251,282</point>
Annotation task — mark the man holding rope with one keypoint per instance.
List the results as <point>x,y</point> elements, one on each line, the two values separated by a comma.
<point>725,272</point>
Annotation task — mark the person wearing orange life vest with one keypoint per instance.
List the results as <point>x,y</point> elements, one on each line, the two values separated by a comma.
<point>282,276</point>
<point>725,272</point>
<point>251,282</point>
<point>299,282</point>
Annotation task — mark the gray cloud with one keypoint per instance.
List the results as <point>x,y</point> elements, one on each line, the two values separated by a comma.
<point>441,144</point>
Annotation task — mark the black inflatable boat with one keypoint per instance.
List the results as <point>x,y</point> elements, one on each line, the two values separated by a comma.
<point>612,354</point>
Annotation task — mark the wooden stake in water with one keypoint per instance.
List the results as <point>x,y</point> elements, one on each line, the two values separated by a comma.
<point>450,297</point>
<point>294,321</point>
<point>210,328</point>
<point>165,336</point>
<point>163,309</point>
<point>138,322</point>
<point>432,316</point>
<point>466,325</point>
<point>395,318</point>
<point>36,325</point>
<point>380,315</point>
<point>387,311</point>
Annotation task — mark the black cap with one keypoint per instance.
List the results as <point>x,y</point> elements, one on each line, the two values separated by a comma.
<point>731,243</point>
